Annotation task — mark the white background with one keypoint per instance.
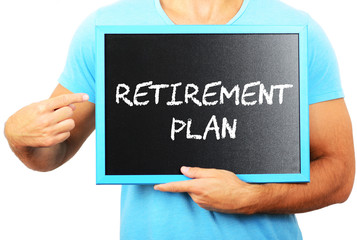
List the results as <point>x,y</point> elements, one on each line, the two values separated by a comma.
<point>66,203</point>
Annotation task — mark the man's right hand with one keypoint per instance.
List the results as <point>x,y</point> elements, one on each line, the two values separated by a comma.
<point>45,123</point>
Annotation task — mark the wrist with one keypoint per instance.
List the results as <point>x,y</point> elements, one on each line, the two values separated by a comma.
<point>22,151</point>
<point>272,198</point>
<point>262,198</point>
<point>8,132</point>
<point>257,198</point>
<point>251,200</point>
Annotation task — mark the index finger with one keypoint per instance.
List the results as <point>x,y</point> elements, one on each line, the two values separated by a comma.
<point>67,99</point>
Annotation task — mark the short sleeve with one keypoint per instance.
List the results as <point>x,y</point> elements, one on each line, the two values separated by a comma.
<point>78,75</point>
<point>323,72</point>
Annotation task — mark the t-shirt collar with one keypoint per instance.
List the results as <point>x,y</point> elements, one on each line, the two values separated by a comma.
<point>170,22</point>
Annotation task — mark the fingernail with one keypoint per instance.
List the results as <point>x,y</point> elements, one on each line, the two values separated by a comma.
<point>156,187</point>
<point>85,97</point>
<point>72,106</point>
<point>184,169</point>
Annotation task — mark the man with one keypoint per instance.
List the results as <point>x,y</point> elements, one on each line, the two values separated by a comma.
<point>223,207</point>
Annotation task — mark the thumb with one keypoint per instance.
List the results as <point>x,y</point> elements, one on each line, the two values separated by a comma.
<point>196,172</point>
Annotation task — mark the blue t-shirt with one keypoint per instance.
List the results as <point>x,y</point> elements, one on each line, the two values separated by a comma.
<point>149,214</point>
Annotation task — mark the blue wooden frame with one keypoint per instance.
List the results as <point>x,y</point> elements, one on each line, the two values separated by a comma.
<point>102,178</point>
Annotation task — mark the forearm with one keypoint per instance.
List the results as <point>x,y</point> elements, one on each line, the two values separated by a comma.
<point>39,158</point>
<point>331,182</point>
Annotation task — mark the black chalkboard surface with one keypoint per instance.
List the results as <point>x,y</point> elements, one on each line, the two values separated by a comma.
<point>214,100</point>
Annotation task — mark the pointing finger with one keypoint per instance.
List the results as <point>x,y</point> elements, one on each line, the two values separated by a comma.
<point>66,99</point>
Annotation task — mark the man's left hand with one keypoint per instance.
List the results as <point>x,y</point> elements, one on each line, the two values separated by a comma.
<point>216,190</point>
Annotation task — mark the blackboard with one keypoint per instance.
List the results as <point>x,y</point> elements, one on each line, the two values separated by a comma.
<point>231,98</point>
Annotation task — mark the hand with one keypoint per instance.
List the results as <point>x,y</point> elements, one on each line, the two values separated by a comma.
<point>45,123</point>
<point>217,190</point>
